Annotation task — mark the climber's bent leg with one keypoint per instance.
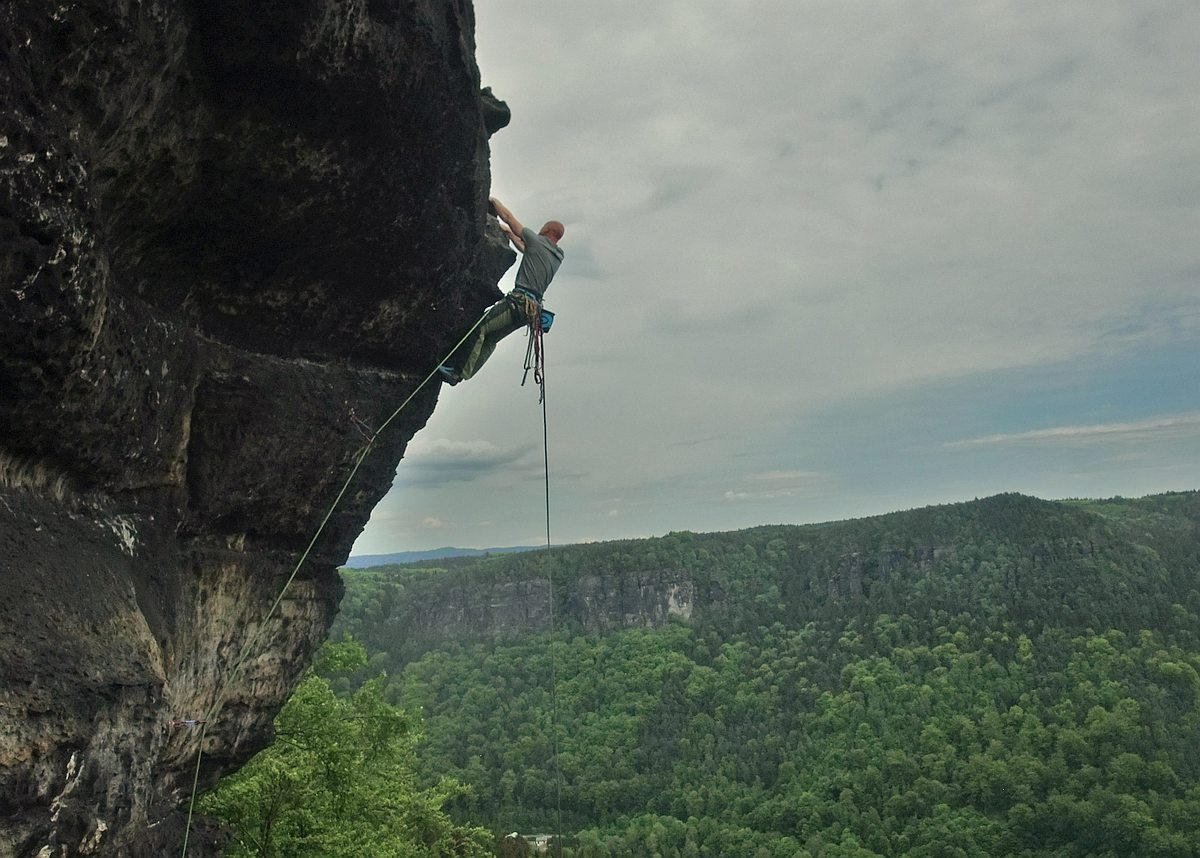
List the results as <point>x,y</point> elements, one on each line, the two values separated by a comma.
<point>504,318</point>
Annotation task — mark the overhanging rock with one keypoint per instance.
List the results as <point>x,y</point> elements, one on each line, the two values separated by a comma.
<point>222,226</point>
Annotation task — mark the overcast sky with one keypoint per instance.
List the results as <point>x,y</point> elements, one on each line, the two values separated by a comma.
<point>830,258</point>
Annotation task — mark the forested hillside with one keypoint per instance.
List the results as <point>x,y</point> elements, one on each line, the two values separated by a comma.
<point>1004,677</point>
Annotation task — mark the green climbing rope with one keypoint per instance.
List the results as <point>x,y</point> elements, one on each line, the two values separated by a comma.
<point>249,648</point>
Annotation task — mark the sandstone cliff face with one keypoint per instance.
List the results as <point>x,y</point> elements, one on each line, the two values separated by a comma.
<point>222,226</point>
<point>594,603</point>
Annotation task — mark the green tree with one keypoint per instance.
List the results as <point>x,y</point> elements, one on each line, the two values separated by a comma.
<point>339,780</point>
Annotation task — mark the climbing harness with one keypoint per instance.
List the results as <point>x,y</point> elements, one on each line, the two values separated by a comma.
<point>532,303</point>
<point>527,294</point>
<point>252,644</point>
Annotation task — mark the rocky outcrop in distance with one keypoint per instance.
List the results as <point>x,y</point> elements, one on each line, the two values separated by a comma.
<point>593,603</point>
<point>857,568</point>
<point>223,226</point>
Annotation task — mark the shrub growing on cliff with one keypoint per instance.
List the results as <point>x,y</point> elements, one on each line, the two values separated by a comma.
<point>339,780</point>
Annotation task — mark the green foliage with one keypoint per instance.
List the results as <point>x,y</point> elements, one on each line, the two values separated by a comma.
<point>1010,677</point>
<point>340,780</point>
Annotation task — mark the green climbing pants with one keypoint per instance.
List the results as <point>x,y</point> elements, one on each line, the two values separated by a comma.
<point>505,317</point>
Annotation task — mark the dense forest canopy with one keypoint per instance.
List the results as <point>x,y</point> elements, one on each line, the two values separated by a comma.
<point>1003,677</point>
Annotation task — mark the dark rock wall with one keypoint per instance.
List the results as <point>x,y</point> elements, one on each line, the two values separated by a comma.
<point>222,226</point>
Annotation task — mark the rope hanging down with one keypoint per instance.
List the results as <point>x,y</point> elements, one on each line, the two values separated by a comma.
<point>252,644</point>
<point>535,359</point>
<point>540,377</point>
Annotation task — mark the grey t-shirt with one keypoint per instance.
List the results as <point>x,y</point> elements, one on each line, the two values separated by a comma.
<point>539,262</point>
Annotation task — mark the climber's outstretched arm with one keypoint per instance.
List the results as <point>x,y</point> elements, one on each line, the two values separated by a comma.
<point>517,241</point>
<point>509,223</point>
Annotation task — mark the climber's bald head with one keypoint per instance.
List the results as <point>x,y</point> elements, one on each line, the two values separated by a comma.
<point>553,230</point>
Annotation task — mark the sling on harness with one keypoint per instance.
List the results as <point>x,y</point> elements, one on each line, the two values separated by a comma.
<point>539,321</point>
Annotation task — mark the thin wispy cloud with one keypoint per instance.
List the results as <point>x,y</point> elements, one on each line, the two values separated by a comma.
<point>776,485</point>
<point>742,495</point>
<point>791,476</point>
<point>1170,426</point>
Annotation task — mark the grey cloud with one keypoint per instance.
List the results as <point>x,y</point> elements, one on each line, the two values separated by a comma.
<point>442,461</point>
<point>585,263</point>
<point>696,442</point>
<point>775,221</point>
<point>674,185</point>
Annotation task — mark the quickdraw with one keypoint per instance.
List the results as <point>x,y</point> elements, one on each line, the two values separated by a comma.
<point>363,427</point>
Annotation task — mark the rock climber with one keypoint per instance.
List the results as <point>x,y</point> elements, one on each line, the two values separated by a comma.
<point>540,258</point>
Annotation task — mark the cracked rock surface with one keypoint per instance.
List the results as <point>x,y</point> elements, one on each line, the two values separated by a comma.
<point>223,225</point>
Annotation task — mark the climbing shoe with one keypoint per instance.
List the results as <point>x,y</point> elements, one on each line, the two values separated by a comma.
<point>449,375</point>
